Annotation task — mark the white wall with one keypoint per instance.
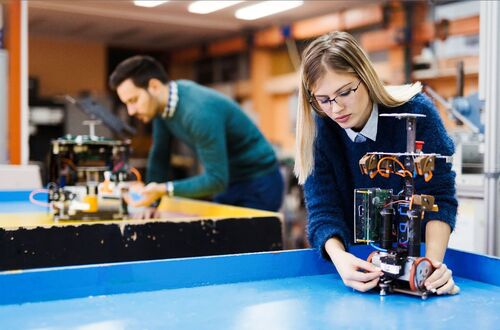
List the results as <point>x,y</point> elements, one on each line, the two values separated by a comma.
<point>470,229</point>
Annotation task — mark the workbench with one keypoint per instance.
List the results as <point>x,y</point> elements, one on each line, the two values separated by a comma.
<point>269,290</point>
<point>30,238</point>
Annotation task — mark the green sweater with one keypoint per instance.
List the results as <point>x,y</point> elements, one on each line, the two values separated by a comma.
<point>225,140</point>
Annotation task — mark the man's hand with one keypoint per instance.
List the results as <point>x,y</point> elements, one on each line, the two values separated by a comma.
<point>144,213</point>
<point>148,194</point>
<point>441,280</point>
<point>355,272</point>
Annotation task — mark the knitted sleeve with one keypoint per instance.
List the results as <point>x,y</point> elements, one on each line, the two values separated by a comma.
<point>208,131</point>
<point>442,185</point>
<point>159,155</point>
<point>325,214</point>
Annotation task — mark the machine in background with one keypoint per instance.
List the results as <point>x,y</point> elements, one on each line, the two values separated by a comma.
<point>391,223</point>
<point>88,177</point>
<point>468,112</point>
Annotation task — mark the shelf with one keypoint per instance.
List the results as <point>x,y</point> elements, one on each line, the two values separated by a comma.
<point>442,73</point>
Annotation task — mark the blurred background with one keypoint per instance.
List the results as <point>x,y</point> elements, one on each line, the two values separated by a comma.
<point>71,47</point>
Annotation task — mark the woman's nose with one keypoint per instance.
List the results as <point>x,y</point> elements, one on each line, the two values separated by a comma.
<point>335,107</point>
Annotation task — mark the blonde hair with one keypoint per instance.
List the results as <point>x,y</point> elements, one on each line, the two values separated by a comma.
<point>340,52</point>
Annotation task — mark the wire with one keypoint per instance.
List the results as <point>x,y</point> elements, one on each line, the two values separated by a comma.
<point>70,163</point>
<point>136,173</point>
<point>387,171</point>
<point>36,202</point>
<point>402,173</point>
<point>377,247</point>
<point>398,201</point>
<point>118,166</point>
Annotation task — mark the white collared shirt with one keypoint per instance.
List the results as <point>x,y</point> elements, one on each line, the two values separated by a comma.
<point>172,99</point>
<point>370,129</point>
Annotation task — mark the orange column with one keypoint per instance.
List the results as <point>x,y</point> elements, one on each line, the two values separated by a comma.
<point>260,73</point>
<point>13,43</point>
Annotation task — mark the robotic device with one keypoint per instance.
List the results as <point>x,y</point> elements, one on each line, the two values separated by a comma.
<point>392,223</point>
<point>89,176</point>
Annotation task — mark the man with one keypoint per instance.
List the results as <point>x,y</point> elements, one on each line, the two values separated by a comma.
<point>240,166</point>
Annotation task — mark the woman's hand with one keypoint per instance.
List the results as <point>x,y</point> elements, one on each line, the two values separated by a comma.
<point>437,235</point>
<point>355,273</point>
<point>441,280</point>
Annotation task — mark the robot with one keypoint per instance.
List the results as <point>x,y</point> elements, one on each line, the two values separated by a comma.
<point>89,177</point>
<point>391,223</point>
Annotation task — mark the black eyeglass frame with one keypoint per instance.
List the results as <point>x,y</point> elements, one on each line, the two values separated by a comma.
<point>314,102</point>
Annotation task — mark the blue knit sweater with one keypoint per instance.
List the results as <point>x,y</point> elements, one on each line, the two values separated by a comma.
<point>329,189</point>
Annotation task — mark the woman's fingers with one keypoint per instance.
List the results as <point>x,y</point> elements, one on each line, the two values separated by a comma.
<point>363,271</point>
<point>436,275</point>
<point>447,287</point>
<point>441,280</point>
<point>363,286</point>
<point>455,290</point>
<point>365,265</point>
<point>358,270</point>
<point>363,276</point>
<point>445,278</point>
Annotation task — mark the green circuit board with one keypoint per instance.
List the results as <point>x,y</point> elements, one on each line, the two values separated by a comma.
<point>368,202</point>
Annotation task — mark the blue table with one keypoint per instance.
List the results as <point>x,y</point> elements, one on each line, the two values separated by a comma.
<point>271,290</point>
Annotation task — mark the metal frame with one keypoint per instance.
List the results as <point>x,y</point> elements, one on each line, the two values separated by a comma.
<point>489,91</point>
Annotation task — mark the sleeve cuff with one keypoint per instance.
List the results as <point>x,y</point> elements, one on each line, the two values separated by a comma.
<point>324,234</point>
<point>445,215</point>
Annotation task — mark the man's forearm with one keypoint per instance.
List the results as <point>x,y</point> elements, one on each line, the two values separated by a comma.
<point>437,235</point>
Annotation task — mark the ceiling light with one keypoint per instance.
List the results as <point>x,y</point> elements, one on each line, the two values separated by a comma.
<point>266,8</point>
<point>149,3</point>
<point>206,7</point>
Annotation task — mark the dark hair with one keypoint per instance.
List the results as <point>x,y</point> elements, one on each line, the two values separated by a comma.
<point>140,69</point>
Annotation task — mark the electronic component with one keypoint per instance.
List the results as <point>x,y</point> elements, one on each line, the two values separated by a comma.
<point>392,223</point>
<point>88,177</point>
<point>368,203</point>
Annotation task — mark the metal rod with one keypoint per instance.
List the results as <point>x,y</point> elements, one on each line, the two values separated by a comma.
<point>411,126</point>
<point>490,91</point>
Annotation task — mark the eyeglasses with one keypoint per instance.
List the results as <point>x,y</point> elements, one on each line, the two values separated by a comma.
<point>322,104</point>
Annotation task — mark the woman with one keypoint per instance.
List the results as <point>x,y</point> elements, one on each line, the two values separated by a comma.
<point>341,97</point>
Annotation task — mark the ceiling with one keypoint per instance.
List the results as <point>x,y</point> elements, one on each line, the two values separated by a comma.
<point>170,25</point>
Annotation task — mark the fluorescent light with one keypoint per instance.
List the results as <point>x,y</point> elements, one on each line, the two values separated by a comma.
<point>266,8</point>
<point>206,7</point>
<point>149,3</point>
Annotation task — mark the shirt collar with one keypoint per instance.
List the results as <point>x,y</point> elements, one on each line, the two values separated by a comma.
<point>172,100</point>
<point>370,129</point>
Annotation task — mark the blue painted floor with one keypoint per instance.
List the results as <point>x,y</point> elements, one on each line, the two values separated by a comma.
<point>309,302</point>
